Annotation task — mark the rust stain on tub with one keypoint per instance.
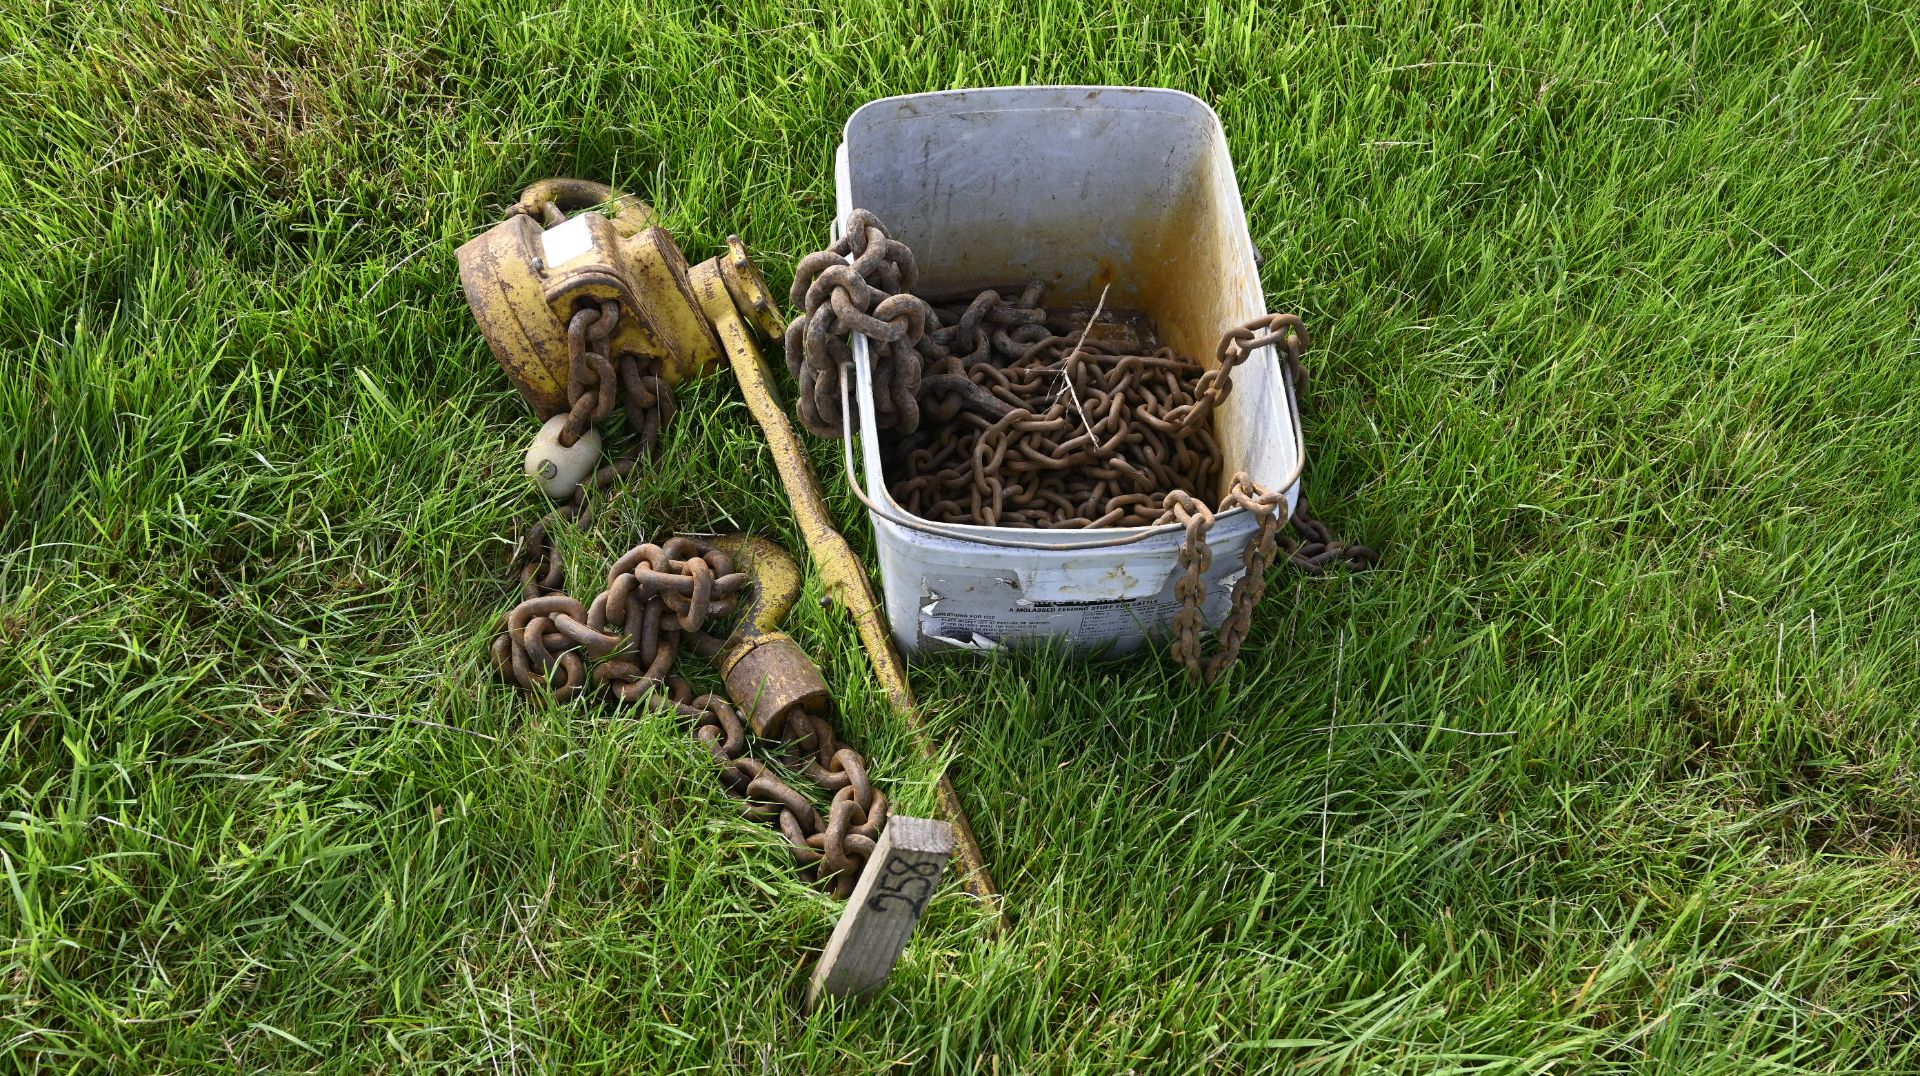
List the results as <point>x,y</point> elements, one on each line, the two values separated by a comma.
<point>1187,272</point>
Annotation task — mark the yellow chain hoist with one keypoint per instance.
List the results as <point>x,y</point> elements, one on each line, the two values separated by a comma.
<point>588,304</point>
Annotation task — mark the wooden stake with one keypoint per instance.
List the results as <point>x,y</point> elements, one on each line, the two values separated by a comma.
<point>884,908</point>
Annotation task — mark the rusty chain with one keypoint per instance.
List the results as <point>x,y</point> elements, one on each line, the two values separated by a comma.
<point>657,601</point>
<point>1098,432</point>
<point>1313,552</point>
<point>660,600</point>
<point>1312,555</point>
<point>863,284</point>
<point>1050,420</point>
<point>596,383</point>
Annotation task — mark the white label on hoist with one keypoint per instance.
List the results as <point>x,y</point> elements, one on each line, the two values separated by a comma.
<point>565,242</point>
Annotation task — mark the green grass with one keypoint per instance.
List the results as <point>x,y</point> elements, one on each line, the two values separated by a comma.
<point>1610,768</point>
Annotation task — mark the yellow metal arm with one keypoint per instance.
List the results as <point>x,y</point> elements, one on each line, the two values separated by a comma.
<point>841,572</point>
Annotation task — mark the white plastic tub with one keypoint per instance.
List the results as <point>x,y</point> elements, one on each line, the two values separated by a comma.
<point>1080,186</point>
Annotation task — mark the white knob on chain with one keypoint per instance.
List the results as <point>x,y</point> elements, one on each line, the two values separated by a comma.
<point>557,468</point>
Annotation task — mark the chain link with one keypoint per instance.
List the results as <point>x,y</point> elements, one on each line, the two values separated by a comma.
<point>862,284</point>
<point>1316,548</point>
